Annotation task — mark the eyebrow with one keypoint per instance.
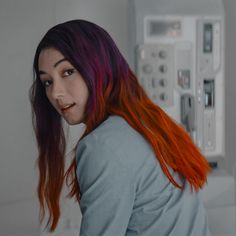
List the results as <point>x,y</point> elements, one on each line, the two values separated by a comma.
<point>55,65</point>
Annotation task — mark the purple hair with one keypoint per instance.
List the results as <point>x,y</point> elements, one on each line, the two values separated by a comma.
<point>91,50</point>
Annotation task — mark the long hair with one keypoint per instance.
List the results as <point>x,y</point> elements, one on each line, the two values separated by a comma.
<point>113,90</point>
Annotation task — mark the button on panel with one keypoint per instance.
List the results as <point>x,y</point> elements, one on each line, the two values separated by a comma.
<point>163,54</point>
<point>163,68</point>
<point>163,96</point>
<point>147,68</point>
<point>163,82</point>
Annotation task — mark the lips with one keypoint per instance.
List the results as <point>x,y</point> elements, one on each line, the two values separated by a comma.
<point>67,107</point>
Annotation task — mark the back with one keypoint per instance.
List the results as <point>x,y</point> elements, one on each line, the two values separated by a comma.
<point>124,191</point>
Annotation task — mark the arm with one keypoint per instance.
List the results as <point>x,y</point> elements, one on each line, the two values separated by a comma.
<point>107,190</point>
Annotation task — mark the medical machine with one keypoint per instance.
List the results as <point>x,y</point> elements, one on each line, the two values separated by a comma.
<point>177,52</point>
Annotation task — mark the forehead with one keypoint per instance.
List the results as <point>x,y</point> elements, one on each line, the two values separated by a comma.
<point>48,57</point>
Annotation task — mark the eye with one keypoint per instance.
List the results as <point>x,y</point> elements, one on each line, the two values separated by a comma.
<point>68,72</point>
<point>46,83</point>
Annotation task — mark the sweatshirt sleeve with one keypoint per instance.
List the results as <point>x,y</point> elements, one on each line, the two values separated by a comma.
<point>107,189</point>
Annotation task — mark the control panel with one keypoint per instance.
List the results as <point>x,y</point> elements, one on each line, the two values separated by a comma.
<point>155,72</point>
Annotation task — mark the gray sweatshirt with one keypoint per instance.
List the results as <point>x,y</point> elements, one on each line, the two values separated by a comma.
<point>124,192</point>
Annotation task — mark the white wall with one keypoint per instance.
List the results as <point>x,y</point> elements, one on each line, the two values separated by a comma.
<point>22,24</point>
<point>230,82</point>
<point>110,14</point>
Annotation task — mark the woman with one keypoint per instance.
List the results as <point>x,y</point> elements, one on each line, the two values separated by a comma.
<point>135,171</point>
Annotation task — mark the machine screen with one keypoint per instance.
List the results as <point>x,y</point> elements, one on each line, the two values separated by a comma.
<point>164,28</point>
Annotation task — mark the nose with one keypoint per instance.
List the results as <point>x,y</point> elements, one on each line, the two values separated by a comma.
<point>57,91</point>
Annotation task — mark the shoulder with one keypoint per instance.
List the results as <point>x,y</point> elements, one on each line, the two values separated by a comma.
<point>114,141</point>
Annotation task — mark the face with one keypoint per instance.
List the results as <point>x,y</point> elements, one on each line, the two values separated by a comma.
<point>64,86</point>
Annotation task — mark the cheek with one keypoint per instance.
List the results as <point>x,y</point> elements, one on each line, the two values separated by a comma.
<point>51,100</point>
<point>80,92</point>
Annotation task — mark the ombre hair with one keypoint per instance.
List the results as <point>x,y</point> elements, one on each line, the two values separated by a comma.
<point>113,90</point>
